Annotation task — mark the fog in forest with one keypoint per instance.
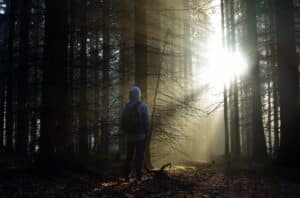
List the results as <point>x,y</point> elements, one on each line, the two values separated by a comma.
<point>198,125</point>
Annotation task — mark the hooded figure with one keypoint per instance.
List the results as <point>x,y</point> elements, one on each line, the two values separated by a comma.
<point>136,125</point>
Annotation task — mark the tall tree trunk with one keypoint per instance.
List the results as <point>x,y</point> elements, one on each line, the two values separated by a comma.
<point>225,88</point>
<point>288,83</point>
<point>237,150</point>
<point>275,104</point>
<point>226,129</point>
<point>236,119</point>
<point>233,88</point>
<point>104,142</point>
<point>259,142</point>
<point>53,139</point>
<point>97,70</point>
<point>2,98</point>
<point>124,65</point>
<point>35,115</point>
<point>22,127</point>
<point>269,124</point>
<point>274,75</point>
<point>10,80</point>
<point>140,51</point>
<point>186,53</point>
<point>140,38</point>
<point>71,61</point>
<point>124,47</point>
<point>83,103</point>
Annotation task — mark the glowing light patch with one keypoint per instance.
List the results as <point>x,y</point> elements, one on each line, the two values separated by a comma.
<point>223,67</point>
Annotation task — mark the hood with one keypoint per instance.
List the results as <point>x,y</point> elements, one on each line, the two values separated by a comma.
<point>134,94</point>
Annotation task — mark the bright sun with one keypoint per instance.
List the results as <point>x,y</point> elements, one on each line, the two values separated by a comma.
<point>223,67</point>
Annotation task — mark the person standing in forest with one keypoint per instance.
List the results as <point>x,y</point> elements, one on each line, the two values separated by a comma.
<point>135,123</point>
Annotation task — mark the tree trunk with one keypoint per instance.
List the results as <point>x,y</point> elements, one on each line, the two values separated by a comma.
<point>2,98</point>
<point>269,124</point>
<point>288,83</point>
<point>124,66</point>
<point>259,142</point>
<point>233,88</point>
<point>22,125</point>
<point>71,61</point>
<point>104,142</point>
<point>83,103</point>
<point>10,80</point>
<point>274,76</point>
<point>140,51</point>
<point>97,70</point>
<point>53,139</point>
<point>225,88</point>
<point>140,38</point>
<point>186,53</point>
<point>276,111</point>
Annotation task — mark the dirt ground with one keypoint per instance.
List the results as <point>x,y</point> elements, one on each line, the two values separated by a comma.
<point>192,180</point>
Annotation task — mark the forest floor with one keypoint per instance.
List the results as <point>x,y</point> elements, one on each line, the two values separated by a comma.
<point>193,179</point>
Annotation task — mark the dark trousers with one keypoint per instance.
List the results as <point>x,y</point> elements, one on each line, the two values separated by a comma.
<point>137,147</point>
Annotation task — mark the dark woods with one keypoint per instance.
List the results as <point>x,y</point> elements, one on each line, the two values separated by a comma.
<point>263,108</point>
<point>66,67</point>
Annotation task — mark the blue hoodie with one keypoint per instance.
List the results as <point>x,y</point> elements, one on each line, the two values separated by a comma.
<point>134,97</point>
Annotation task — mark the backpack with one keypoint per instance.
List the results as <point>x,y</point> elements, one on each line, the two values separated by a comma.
<point>132,121</point>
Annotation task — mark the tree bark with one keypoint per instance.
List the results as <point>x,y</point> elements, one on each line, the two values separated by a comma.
<point>2,98</point>
<point>83,102</point>
<point>53,139</point>
<point>259,142</point>
<point>22,124</point>
<point>226,152</point>
<point>124,66</point>
<point>104,142</point>
<point>10,80</point>
<point>140,38</point>
<point>140,51</point>
<point>288,83</point>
